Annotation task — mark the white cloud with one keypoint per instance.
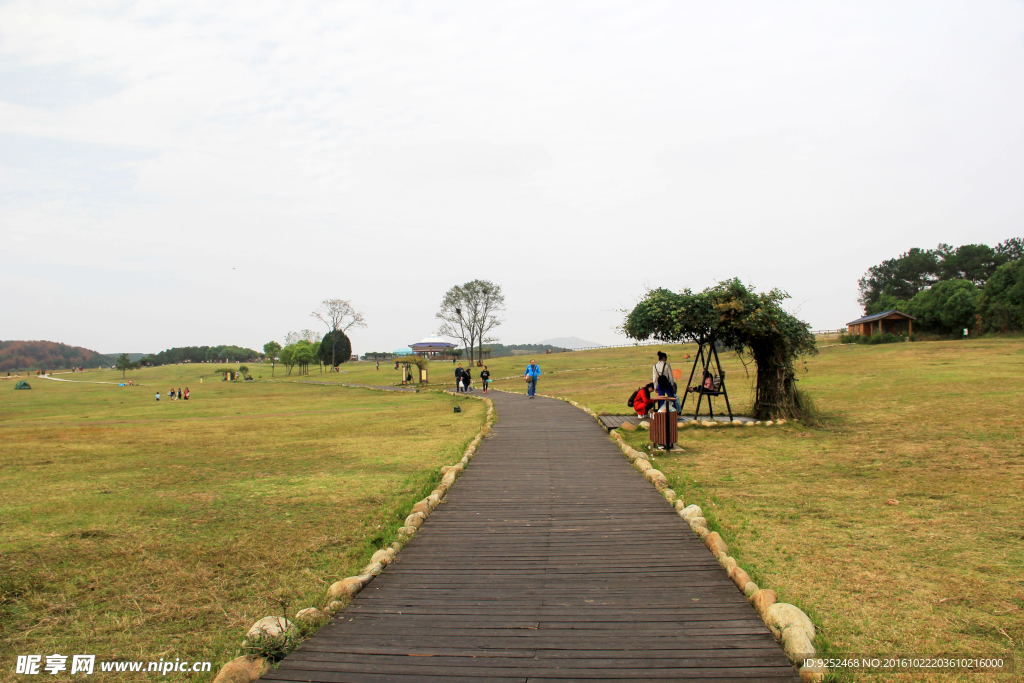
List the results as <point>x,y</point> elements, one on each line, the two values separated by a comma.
<point>257,157</point>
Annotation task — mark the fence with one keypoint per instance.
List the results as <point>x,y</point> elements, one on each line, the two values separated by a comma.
<point>622,346</point>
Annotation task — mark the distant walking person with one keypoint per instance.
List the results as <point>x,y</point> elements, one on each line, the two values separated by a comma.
<point>187,392</point>
<point>664,380</point>
<point>158,396</point>
<point>172,395</point>
<point>459,373</point>
<point>532,373</point>
<point>485,378</point>
<point>467,378</point>
<point>378,365</point>
<point>181,395</point>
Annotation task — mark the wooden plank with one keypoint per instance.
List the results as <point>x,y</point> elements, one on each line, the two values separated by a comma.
<point>550,559</point>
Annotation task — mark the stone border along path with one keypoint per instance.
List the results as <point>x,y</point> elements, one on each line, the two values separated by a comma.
<point>611,422</point>
<point>550,562</point>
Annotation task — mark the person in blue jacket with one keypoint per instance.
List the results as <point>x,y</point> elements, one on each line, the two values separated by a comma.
<point>532,373</point>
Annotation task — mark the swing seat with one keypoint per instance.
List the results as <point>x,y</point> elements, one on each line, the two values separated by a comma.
<point>717,391</point>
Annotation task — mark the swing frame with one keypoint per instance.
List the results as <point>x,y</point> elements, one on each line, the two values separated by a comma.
<point>708,350</point>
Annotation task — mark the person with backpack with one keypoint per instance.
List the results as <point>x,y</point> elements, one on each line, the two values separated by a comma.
<point>467,379</point>
<point>485,377</point>
<point>532,374</point>
<point>664,380</point>
<point>640,400</point>
<point>459,372</point>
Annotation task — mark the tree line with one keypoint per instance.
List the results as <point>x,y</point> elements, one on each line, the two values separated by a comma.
<point>948,288</point>
<point>201,354</point>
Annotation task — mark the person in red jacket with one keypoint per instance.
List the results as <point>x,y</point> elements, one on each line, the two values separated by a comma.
<point>642,404</point>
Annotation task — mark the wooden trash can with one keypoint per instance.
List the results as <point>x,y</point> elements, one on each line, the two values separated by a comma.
<point>665,429</point>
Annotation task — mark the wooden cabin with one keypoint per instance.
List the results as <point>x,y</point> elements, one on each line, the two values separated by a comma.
<point>892,321</point>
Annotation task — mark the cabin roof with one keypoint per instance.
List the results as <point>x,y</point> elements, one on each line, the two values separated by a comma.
<point>879,316</point>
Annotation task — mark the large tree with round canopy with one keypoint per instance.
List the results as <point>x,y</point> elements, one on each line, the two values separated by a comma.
<point>738,318</point>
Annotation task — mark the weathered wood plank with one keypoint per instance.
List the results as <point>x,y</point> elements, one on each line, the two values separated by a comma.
<point>550,560</point>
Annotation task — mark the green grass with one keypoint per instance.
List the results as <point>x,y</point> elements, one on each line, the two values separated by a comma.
<point>138,530</point>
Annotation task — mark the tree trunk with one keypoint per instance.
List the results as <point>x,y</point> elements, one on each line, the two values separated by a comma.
<point>774,394</point>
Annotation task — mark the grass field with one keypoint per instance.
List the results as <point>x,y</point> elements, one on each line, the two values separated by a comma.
<point>937,426</point>
<point>138,530</point>
<point>274,482</point>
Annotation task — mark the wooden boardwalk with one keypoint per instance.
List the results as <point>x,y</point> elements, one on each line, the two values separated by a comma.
<point>551,559</point>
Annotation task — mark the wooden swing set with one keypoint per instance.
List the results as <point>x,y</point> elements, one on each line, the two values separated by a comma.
<point>707,352</point>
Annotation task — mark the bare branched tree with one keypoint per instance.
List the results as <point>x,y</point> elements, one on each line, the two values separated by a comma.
<point>468,312</point>
<point>489,302</point>
<point>302,335</point>
<point>453,321</point>
<point>339,316</point>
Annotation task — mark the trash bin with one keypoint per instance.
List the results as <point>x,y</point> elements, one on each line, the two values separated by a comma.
<point>665,428</point>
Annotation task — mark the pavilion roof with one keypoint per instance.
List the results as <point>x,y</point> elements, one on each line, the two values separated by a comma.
<point>432,342</point>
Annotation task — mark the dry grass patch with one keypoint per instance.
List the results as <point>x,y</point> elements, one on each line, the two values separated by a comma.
<point>136,530</point>
<point>937,426</point>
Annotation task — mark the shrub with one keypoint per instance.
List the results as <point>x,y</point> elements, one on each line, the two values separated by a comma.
<point>886,338</point>
<point>810,413</point>
<point>274,648</point>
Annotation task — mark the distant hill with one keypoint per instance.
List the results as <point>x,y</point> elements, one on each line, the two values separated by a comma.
<point>47,355</point>
<point>569,343</point>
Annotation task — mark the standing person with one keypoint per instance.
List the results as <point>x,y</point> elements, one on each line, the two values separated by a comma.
<point>459,372</point>
<point>531,374</point>
<point>158,396</point>
<point>485,377</point>
<point>181,395</point>
<point>378,366</point>
<point>187,392</point>
<point>664,380</point>
<point>171,394</point>
<point>467,378</point>
<point>396,365</point>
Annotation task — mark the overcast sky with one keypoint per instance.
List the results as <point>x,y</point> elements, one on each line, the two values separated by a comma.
<point>185,173</point>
